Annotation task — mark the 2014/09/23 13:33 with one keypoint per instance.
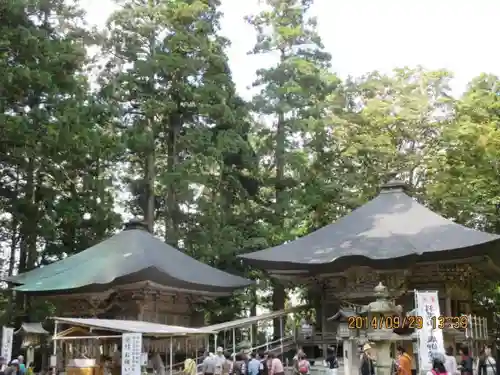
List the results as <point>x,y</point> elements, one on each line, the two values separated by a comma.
<point>385,322</point>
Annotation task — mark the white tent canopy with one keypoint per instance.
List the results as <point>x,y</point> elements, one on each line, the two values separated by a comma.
<point>134,326</point>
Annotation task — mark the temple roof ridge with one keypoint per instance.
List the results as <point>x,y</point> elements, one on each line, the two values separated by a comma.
<point>392,227</point>
<point>130,256</point>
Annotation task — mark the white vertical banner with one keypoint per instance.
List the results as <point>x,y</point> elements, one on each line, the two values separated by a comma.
<point>131,353</point>
<point>7,337</point>
<point>430,337</point>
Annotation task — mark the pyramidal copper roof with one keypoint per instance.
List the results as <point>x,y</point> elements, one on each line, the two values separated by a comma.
<point>131,256</point>
<point>390,228</point>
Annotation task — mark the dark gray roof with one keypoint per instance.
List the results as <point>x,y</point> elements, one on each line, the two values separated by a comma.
<point>130,256</point>
<point>393,227</point>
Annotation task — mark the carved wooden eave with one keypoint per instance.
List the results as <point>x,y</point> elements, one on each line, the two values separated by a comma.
<point>484,263</point>
<point>145,286</point>
<point>98,303</point>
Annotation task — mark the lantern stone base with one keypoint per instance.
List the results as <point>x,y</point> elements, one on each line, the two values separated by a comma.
<point>351,356</point>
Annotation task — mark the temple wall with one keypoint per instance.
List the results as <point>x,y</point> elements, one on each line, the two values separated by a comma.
<point>166,309</point>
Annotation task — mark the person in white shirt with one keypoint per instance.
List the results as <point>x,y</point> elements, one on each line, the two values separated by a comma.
<point>219,360</point>
<point>450,362</point>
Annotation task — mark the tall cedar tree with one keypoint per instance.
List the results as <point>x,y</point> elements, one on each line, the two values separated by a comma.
<point>287,93</point>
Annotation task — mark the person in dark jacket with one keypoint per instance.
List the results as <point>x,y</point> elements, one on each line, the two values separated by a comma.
<point>487,363</point>
<point>331,362</point>
<point>263,370</point>
<point>367,366</point>
<point>466,363</point>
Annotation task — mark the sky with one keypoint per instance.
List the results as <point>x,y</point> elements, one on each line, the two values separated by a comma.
<point>367,35</point>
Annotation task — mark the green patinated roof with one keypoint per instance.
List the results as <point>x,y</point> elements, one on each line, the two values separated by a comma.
<point>130,256</point>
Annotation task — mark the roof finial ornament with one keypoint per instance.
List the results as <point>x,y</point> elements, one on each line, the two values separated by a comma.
<point>394,184</point>
<point>136,224</point>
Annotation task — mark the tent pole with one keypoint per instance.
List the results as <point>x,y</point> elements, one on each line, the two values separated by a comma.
<point>234,341</point>
<point>196,351</point>
<point>171,355</point>
<point>54,350</point>
<point>251,336</point>
<point>281,334</point>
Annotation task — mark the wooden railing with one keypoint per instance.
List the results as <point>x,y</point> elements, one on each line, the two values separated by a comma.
<point>317,338</point>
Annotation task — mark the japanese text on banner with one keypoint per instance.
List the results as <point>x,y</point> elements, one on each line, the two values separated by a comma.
<point>131,353</point>
<point>7,337</point>
<point>430,338</point>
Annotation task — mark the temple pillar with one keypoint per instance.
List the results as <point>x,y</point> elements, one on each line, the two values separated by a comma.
<point>323,322</point>
<point>140,311</point>
<point>447,304</point>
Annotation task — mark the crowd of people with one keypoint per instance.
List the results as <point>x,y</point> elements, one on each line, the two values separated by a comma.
<point>266,363</point>
<point>255,363</point>
<point>15,367</point>
<point>442,363</point>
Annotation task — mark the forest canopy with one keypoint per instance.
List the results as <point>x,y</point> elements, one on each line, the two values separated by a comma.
<point>153,127</point>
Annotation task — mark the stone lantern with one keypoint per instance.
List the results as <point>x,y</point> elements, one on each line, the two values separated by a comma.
<point>33,336</point>
<point>349,338</point>
<point>379,322</point>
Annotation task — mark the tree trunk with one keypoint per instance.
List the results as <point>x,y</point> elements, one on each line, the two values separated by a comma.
<point>150,170</point>
<point>253,312</point>
<point>279,294</point>
<point>171,207</point>
<point>150,177</point>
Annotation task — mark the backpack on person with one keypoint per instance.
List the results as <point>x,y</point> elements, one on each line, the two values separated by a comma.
<point>263,370</point>
<point>238,368</point>
<point>303,366</point>
<point>334,364</point>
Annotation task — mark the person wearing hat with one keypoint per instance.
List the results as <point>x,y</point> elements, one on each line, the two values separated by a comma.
<point>367,366</point>
<point>438,368</point>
